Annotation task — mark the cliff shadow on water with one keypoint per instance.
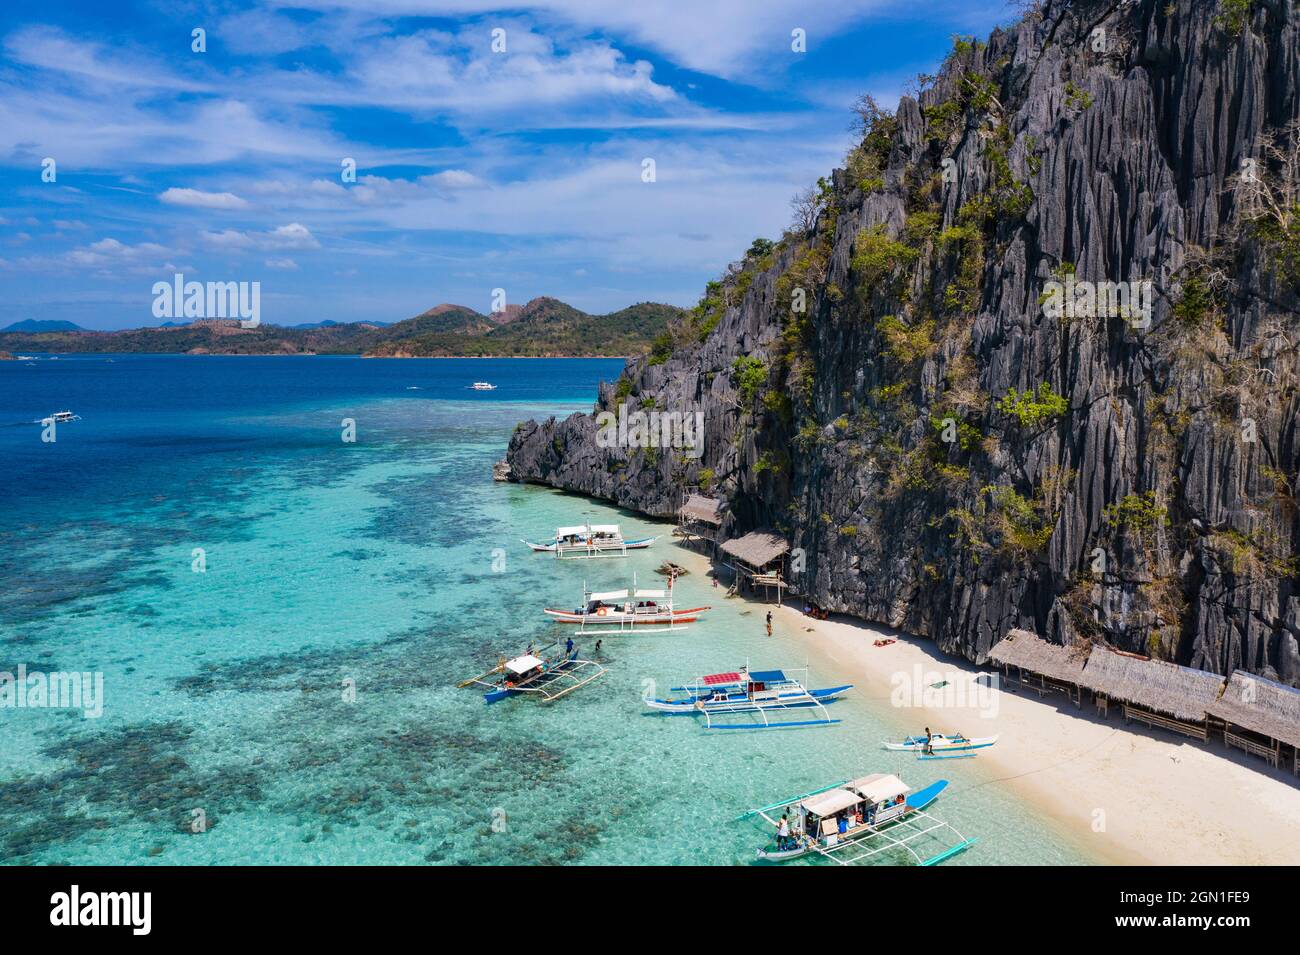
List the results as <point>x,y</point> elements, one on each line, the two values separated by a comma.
<point>1028,359</point>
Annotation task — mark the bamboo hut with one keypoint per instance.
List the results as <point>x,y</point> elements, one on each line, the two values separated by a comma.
<point>1153,692</point>
<point>700,519</point>
<point>1041,665</point>
<point>758,557</point>
<point>1260,717</point>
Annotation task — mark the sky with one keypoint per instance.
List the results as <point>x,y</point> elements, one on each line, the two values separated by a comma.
<point>495,147</point>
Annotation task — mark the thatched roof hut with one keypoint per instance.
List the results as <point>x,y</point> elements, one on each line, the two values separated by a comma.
<point>1261,706</point>
<point>757,548</point>
<point>706,510</point>
<point>1030,652</point>
<point>1181,692</point>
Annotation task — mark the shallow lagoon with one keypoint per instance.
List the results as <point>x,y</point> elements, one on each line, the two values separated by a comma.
<point>377,562</point>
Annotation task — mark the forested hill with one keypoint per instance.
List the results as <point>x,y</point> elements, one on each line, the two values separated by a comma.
<point>545,326</point>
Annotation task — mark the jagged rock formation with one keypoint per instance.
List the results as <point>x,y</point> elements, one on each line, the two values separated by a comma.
<point>895,386</point>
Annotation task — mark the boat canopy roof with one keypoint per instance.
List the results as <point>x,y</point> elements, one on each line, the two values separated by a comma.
<point>767,676</point>
<point>653,594</point>
<point>604,528</point>
<point>610,595</point>
<point>524,664</point>
<point>830,802</point>
<point>571,531</point>
<point>719,679</point>
<point>880,786</point>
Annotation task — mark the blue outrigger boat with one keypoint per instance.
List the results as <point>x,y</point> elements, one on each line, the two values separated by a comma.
<point>755,694</point>
<point>531,672</point>
<point>855,821</point>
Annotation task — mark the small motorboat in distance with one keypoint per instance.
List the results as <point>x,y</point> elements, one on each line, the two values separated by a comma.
<point>483,386</point>
<point>939,746</point>
<point>62,417</point>
<point>755,694</point>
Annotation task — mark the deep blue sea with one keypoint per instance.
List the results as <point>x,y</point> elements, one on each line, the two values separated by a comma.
<point>281,617</point>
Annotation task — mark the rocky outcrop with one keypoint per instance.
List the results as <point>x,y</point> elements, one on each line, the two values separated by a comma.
<point>897,386</point>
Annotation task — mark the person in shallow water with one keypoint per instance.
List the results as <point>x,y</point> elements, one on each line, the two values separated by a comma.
<point>568,645</point>
<point>598,646</point>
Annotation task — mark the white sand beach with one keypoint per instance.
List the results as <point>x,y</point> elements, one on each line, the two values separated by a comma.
<point>1123,793</point>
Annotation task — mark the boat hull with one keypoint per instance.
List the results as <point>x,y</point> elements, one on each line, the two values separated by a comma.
<point>549,548</point>
<point>916,744</point>
<point>677,616</point>
<point>690,706</point>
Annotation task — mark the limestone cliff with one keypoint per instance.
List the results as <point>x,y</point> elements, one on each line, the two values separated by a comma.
<point>895,385</point>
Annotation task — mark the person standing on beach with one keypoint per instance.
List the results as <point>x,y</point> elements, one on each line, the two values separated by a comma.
<point>769,623</point>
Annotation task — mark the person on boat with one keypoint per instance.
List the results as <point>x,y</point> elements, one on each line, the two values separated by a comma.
<point>843,825</point>
<point>782,832</point>
<point>929,742</point>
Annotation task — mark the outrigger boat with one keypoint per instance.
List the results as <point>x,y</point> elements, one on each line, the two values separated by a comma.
<point>483,386</point>
<point>627,611</point>
<point>855,821</point>
<point>755,694</point>
<point>62,417</point>
<point>591,540</point>
<point>939,746</point>
<point>531,672</point>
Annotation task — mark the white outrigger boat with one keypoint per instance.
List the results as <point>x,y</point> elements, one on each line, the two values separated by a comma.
<point>939,746</point>
<point>855,821</point>
<point>531,672</point>
<point>61,417</point>
<point>627,611</point>
<point>751,694</point>
<point>591,540</point>
<point>483,386</point>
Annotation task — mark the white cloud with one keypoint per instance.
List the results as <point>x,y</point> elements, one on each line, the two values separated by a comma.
<point>202,200</point>
<point>295,235</point>
<point>722,37</point>
<point>285,264</point>
<point>455,179</point>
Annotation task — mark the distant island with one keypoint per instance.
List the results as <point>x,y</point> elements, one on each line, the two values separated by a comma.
<point>544,328</point>
<point>37,325</point>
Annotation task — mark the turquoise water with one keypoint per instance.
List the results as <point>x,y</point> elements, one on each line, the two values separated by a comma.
<point>378,562</point>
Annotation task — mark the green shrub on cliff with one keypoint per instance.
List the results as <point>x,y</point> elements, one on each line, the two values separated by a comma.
<point>1136,512</point>
<point>750,375</point>
<point>876,256</point>
<point>1031,408</point>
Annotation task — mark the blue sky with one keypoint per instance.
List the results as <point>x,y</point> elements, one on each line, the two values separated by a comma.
<point>476,169</point>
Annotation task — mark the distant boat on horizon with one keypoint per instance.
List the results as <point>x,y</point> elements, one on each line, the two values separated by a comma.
<point>483,386</point>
